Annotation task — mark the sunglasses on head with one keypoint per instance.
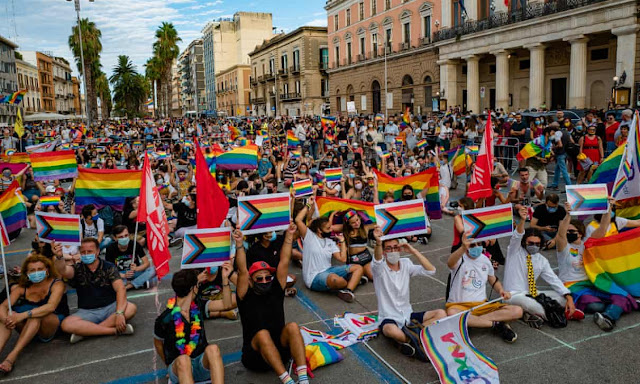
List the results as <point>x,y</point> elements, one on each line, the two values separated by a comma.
<point>264,279</point>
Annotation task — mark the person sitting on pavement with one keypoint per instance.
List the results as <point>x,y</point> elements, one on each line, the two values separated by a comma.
<point>103,308</point>
<point>186,213</point>
<point>546,218</point>
<point>392,279</point>
<point>470,271</point>
<point>267,247</point>
<point>93,226</point>
<point>606,307</point>
<point>268,343</point>
<point>211,294</point>
<point>136,270</point>
<point>39,305</point>
<point>353,248</point>
<point>523,266</point>
<point>179,336</point>
<point>318,249</point>
<point>522,190</point>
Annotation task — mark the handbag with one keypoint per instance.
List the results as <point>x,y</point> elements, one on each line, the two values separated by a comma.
<point>552,310</point>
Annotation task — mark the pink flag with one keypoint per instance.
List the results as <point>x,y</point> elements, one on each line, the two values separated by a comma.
<point>480,185</point>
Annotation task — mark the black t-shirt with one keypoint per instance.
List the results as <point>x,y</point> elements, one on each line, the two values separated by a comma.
<point>270,255</point>
<point>546,218</point>
<point>165,330</point>
<point>565,141</point>
<point>258,312</point>
<point>186,215</point>
<point>95,289</point>
<point>123,259</point>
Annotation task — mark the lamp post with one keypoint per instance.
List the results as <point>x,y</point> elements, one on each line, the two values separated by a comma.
<point>84,73</point>
<point>386,82</point>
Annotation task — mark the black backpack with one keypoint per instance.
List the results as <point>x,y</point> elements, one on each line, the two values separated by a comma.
<point>413,331</point>
<point>552,310</point>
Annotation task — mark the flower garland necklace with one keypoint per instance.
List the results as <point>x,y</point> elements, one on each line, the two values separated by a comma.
<point>194,336</point>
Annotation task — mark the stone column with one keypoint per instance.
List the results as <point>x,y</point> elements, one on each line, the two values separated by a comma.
<point>473,84</point>
<point>536,75</point>
<point>502,79</point>
<point>626,54</point>
<point>449,81</point>
<point>578,72</point>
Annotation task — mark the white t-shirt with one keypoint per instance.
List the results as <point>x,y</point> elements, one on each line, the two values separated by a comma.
<point>392,289</point>
<point>93,230</point>
<point>621,222</point>
<point>445,175</point>
<point>316,256</point>
<point>470,281</point>
<point>570,264</point>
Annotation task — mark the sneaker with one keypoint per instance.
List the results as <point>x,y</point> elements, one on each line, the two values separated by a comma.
<point>364,280</point>
<point>128,330</point>
<point>534,321</point>
<point>407,349</point>
<point>577,315</point>
<point>423,240</point>
<point>603,322</point>
<point>75,338</point>
<point>505,331</point>
<point>173,241</point>
<point>346,295</point>
<point>553,188</point>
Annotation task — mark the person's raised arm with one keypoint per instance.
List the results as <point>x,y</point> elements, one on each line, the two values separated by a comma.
<point>285,255</point>
<point>377,234</point>
<point>63,269</point>
<point>602,229</point>
<point>301,218</point>
<point>424,262</point>
<point>226,269</point>
<point>241,262</point>
<point>523,218</point>
<point>561,236</point>
<point>457,255</point>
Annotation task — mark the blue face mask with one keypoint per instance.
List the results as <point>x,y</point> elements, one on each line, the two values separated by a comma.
<point>88,259</point>
<point>95,218</point>
<point>552,210</point>
<point>123,241</point>
<point>213,270</point>
<point>475,252</point>
<point>37,276</point>
<point>273,236</point>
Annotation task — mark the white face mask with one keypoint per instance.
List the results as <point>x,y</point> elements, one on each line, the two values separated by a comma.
<point>393,257</point>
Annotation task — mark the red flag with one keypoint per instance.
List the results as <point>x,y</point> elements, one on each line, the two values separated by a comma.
<point>480,185</point>
<point>151,211</point>
<point>211,201</point>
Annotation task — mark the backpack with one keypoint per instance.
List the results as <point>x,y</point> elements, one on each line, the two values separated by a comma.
<point>110,217</point>
<point>413,331</point>
<point>552,310</point>
<point>450,280</point>
<point>572,149</point>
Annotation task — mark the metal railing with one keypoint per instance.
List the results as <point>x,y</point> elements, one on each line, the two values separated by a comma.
<point>531,11</point>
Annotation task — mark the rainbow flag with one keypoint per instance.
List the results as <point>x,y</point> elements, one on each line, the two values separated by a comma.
<point>4,233</point>
<point>292,140</point>
<point>49,200</point>
<point>607,171</point>
<point>61,228</point>
<point>329,137</point>
<point>16,157</point>
<point>319,354</point>
<point>203,248</point>
<point>535,147</point>
<point>264,213</point>
<point>328,122</point>
<point>239,158</point>
<point>421,144</point>
<point>613,263</point>
<point>379,117</point>
<point>399,142</point>
<point>489,223</point>
<point>106,187</point>
<point>405,218</point>
<point>302,188</point>
<point>12,208</point>
<point>326,205</point>
<point>343,143</point>
<point>54,165</point>
<point>588,199</point>
<point>137,144</point>
<point>333,175</point>
<point>162,155</point>
<point>13,98</point>
<point>295,154</point>
<point>9,152</point>
<point>472,150</point>
<point>418,182</point>
<point>234,132</point>
<point>385,154</point>
<point>460,163</point>
<point>624,186</point>
<point>406,119</point>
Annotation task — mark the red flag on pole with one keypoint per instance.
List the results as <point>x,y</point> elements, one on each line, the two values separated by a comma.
<point>480,185</point>
<point>211,201</point>
<point>151,211</point>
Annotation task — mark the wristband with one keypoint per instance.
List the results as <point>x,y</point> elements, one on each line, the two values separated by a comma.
<point>29,314</point>
<point>120,313</point>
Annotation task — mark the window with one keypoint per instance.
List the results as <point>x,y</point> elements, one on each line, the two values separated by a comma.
<point>599,54</point>
<point>349,53</point>
<point>457,13</point>
<point>348,17</point>
<point>337,63</point>
<point>387,38</point>
<point>374,7</point>
<point>362,42</point>
<point>296,60</point>
<point>374,44</point>
<point>285,88</point>
<point>407,33</point>
<point>284,62</point>
<point>324,87</point>
<point>298,87</point>
<point>272,66</point>
<point>426,28</point>
<point>524,64</point>
<point>361,10</point>
<point>324,57</point>
<point>336,24</point>
<point>387,5</point>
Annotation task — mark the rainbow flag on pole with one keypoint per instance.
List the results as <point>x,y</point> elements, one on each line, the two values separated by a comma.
<point>13,98</point>
<point>489,223</point>
<point>421,144</point>
<point>292,140</point>
<point>61,228</point>
<point>12,208</point>
<point>418,182</point>
<point>302,188</point>
<point>460,163</point>
<point>535,147</point>
<point>326,205</point>
<point>54,165</point>
<point>405,218</point>
<point>103,187</point>
<point>203,248</point>
<point>240,158</point>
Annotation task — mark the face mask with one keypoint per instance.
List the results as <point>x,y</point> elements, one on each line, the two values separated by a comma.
<point>537,122</point>
<point>407,174</point>
<point>88,259</point>
<point>326,235</point>
<point>273,236</point>
<point>572,237</point>
<point>123,241</point>
<point>181,178</point>
<point>303,171</point>
<point>532,249</point>
<point>37,276</point>
<point>474,252</point>
<point>95,217</point>
<point>262,288</point>
<point>158,182</point>
<point>264,160</point>
<point>567,124</point>
<point>442,162</point>
<point>6,174</point>
<point>393,257</point>
<point>185,200</point>
<point>358,186</point>
<point>579,128</point>
<point>351,175</point>
<point>552,209</point>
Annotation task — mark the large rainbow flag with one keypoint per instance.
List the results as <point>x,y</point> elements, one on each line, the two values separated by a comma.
<point>102,187</point>
<point>54,165</point>
<point>326,205</point>
<point>418,182</point>
<point>240,158</point>
<point>489,222</point>
<point>535,147</point>
<point>13,98</point>
<point>328,123</point>
<point>264,213</point>
<point>12,208</point>
<point>15,157</point>
<point>607,171</point>
<point>206,247</point>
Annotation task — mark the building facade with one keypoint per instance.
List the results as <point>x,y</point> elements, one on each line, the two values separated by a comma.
<point>63,86</point>
<point>44,63</point>
<point>28,79</point>
<point>227,43</point>
<point>288,74</point>
<point>233,91</point>
<point>382,47</point>
<point>191,69</point>
<point>176,88</point>
<point>75,87</point>
<point>8,79</point>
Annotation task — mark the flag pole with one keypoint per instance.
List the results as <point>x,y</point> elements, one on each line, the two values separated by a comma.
<point>476,307</point>
<point>6,275</point>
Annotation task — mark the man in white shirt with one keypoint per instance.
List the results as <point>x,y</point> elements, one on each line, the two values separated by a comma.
<point>390,134</point>
<point>392,276</point>
<point>525,245</point>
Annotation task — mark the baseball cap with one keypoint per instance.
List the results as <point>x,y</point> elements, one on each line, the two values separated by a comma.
<point>50,189</point>
<point>259,266</point>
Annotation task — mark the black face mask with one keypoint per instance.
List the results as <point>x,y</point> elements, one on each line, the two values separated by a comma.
<point>407,197</point>
<point>571,237</point>
<point>262,288</point>
<point>35,246</point>
<point>326,235</point>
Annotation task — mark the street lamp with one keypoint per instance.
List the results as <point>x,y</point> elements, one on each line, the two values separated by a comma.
<point>386,82</point>
<point>84,73</point>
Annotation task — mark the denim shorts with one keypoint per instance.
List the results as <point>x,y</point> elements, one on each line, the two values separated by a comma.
<point>26,308</point>
<point>417,316</point>
<point>96,315</point>
<point>198,371</point>
<point>319,283</point>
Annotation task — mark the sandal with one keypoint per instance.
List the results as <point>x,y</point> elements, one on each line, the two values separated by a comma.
<point>290,292</point>
<point>3,365</point>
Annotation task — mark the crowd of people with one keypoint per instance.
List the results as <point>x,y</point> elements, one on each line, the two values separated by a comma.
<point>337,253</point>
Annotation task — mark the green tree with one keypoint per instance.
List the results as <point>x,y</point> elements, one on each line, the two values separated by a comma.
<point>130,89</point>
<point>166,50</point>
<point>153,73</point>
<point>91,48</point>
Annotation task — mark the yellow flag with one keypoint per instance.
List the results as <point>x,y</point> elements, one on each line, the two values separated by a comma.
<point>19,128</point>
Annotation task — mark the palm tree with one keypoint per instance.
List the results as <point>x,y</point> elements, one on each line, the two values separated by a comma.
<point>130,89</point>
<point>91,48</point>
<point>166,49</point>
<point>153,73</point>
<point>104,93</point>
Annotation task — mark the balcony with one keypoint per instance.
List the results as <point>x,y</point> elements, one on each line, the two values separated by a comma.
<point>294,69</point>
<point>290,96</point>
<point>323,66</point>
<point>258,100</point>
<point>531,11</point>
<point>334,64</point>
<point>425,40</point>
<point>361,57</point>
<point>283,72</point>
<point>262,79</point>
<point>253,81</point>
<point>269,76</point>
<point>404,46</point>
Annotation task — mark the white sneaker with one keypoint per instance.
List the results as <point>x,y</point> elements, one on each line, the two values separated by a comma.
<point>75,338</point>
<point>128,330</point>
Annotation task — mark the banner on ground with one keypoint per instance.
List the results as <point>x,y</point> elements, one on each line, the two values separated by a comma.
<point>488,223</point>
<point>405,218</point>
<point>588,199</point>
<point>264,213</point>
<point>363,327</point>
<point>203,248</point>
<point>343,340</point>
<point>58,227</point>
<point>454,357</point>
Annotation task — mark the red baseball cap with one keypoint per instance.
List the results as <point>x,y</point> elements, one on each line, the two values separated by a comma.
<point>259,266</point>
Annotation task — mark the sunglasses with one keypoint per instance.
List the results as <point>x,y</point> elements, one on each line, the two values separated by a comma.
<point>534,244</point>
<point>264,279</point>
